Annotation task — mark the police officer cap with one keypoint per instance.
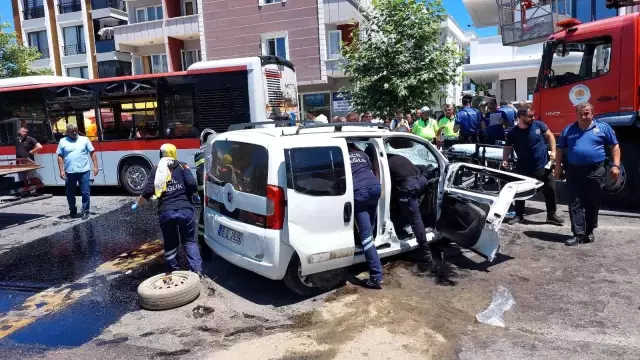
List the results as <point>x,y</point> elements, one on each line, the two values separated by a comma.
<point>425,109</point>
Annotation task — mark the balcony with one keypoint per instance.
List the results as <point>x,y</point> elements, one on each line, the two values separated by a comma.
<point>75,49</point>
<point>33,13</point>
<point>342,11</point>
<point>335,68</point>
<point>182,27</point>
<point>104,46</point>
<point>143,33</point>
<point>109,4</point>
<point>67,6</point>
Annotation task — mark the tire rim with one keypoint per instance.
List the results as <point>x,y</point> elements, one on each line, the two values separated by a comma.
<point>169,281</point>
<point>136,177</point>
<point>304,279</point>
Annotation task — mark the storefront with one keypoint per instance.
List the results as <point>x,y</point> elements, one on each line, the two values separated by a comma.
<point>329,103</point>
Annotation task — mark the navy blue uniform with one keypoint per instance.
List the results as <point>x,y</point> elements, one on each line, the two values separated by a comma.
<point>177,216</point>
<point>531,148</point>
<point>585,154</point>
<point>468,119</point>
<point>408,186</point>
<point>198,158</point>
<point>512,115</point>
<point>495,123</point>
<point>367,191</point>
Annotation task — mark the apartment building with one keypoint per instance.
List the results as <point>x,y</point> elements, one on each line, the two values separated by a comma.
<point>73,36</point>
<point>162,35</point>
<point>308,33</point>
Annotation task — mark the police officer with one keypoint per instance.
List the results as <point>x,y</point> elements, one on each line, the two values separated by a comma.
<point>581,148</point>
<point>367,191</point>
<point>468,122</point>
<point>408,186</point>
<point>529,138</point>
<point>494,123</point>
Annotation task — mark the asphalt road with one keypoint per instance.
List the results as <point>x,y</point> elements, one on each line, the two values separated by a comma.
<point>66,292</point>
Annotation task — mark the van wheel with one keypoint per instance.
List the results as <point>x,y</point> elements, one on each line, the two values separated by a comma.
<point>133,175</point>
<point>313,284</point>
<point>168,291</point>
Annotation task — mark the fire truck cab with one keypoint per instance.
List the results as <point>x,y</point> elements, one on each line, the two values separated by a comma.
<point>598,62</point>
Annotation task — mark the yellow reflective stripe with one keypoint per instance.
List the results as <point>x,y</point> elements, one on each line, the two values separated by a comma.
<point>201,187</point>
<point>199,162</point>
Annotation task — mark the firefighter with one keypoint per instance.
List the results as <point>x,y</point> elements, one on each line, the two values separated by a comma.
<point>583,146</point>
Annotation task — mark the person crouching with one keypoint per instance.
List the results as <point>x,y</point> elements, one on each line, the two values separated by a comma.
<point>172,183</point>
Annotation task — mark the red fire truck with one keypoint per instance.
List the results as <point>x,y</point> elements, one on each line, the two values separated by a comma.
<point>606,73</point>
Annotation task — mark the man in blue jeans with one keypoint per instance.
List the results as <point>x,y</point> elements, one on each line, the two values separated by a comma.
<point>367,192</point>
<point>74,152</point>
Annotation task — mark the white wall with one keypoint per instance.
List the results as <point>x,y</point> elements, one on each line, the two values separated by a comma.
<point>489,50</point>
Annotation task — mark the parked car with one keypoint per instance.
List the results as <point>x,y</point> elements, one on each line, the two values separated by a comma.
<point>279,201</point>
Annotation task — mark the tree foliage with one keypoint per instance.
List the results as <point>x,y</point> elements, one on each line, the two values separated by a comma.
<point>396,59</point>
<point>16,58</point>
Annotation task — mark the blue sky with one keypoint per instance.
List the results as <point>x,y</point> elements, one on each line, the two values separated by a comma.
<point>454,7</point>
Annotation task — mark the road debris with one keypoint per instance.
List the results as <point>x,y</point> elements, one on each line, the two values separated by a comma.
<point>502,301</point>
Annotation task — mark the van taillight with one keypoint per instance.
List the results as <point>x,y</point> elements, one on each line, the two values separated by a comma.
<point>275,207</point>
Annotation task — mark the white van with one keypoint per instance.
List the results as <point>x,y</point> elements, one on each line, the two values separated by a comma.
<point>279,200</point>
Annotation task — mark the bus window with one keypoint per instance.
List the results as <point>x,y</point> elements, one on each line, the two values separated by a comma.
<point>130,120</point>
<point>59,121</point>
<point>8,131</point>
<point>178,114</point>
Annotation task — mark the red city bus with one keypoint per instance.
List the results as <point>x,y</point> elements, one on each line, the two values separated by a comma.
<point>129,118</point>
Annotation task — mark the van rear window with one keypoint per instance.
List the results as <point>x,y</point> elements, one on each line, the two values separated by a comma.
<point>243,165</point>
<point>318,171</point>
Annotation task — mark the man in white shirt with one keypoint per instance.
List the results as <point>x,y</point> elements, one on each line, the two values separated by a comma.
<point>317,119</point>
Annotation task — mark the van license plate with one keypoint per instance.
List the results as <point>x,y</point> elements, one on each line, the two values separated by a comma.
<point>230,235</point>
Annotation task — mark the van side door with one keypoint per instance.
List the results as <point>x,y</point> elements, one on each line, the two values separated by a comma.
<point>320,207</point>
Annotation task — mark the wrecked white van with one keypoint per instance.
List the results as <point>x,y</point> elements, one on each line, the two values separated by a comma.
<point>279,200</point>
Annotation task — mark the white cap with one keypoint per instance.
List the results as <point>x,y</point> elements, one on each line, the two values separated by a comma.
<point>425,109</point>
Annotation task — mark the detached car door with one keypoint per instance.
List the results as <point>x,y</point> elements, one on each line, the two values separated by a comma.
<point>470,216</point>
<point>319,203</point>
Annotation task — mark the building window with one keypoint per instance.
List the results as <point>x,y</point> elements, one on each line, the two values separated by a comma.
<point>467,54</point>
<point>189,58</point>
<point>189,7</point>
<point>40,41</point>
<point>272,1</point>
<point>531,86</point>
<point>159,64</point>
<point>137,66</point>
<point>149,13</point>
<point>33,9</point>
<point>79,72</point>
<point>508,90</point>
<point>67,6</point>
<point>275,45</point>
<point>319,103</point>
<point>591,10</point>
<point>335,39</point>
<point>74,42</point>
<point>113,68</point>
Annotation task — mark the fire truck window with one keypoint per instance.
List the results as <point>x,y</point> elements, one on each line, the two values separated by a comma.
<point>579,61</point>
<point>130,120</point>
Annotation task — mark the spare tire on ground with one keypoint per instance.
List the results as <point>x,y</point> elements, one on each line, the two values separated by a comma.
<point>169,290</point>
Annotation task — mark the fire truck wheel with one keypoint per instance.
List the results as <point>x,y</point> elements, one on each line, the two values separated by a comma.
<point>133,175</point>
<point>169,290</point>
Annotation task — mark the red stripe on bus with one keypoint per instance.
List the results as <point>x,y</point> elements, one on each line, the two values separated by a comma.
<point>127,145</point>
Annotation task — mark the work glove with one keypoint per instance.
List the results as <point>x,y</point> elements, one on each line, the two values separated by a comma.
<point>134,206</point>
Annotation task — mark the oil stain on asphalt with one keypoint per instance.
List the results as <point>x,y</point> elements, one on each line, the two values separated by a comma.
<point>63,290</point>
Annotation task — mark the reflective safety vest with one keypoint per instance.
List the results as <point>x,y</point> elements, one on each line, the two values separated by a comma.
<point>199,160</point>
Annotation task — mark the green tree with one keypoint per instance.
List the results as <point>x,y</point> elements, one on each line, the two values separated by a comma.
<point>15,58</point>
<point>396,59</point>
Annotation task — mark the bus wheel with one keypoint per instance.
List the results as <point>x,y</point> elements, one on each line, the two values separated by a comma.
<point>133,175</point>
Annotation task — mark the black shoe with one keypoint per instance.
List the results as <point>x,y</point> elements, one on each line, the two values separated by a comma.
<point>555,220</point>
<point>373,284</point>
<point>590,238</point>
<point>575,241</point>
<point>72,216</point>
<point>85,216</point>
<point>516,220</point>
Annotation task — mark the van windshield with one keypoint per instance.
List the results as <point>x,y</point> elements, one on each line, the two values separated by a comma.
<point>243,165</point>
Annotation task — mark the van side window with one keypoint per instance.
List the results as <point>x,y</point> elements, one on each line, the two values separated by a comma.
<point>318,171</point>
<point>243,165</point>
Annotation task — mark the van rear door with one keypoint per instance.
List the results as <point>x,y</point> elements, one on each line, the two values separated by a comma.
<point>319,203</point>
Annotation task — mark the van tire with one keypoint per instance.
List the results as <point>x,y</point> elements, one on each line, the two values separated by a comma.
<point>185,290</point>
<point>293,281</point>
<point>132,171</point>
